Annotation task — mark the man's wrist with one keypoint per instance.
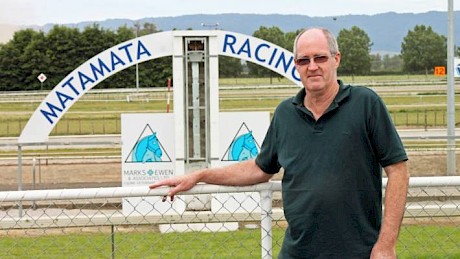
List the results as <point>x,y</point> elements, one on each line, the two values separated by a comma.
<point>200,176</point>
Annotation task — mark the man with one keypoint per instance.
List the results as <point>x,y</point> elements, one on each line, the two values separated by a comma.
<point>332,141</point>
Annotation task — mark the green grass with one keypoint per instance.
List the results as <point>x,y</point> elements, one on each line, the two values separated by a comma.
<point>83,118</point>
<point>238,244</point>
<point>105,118</point>
<point>423,100</point>
<point>348,79</point>
<point>429,241</point>
<point>416,241</point>
<point>93,106</point>
<point>254,81</point>
<point>100,113</point>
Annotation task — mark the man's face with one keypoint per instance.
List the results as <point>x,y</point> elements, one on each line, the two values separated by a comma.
<point>316,65</point>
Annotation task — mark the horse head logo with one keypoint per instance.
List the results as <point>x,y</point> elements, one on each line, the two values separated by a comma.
<point>243,148</point>
<point>148,149</point>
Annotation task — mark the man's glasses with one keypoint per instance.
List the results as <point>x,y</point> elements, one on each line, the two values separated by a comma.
<point>317,59</point>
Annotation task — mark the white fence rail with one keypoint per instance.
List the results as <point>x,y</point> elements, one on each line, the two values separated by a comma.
<point>90,223</point>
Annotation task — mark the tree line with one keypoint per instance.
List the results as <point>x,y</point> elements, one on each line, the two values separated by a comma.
<point>62,49</point>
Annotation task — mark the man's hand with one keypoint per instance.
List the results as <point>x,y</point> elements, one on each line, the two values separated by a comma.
<point>180,184</point>
<point>238,174</point>
<point>381,251</point>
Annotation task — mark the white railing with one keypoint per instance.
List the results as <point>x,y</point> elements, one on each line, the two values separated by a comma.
<point>32,210</point>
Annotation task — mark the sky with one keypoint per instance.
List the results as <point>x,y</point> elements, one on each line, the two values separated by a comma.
<point>40,12</point>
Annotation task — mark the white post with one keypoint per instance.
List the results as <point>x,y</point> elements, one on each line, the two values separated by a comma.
<point>213,101</point>
<point>451,170</point>
<point>178,98</point>
<point>196,110</point>
<point>19,177</point>
<point>266,223</point>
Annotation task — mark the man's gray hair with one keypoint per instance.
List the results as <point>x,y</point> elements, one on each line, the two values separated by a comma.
<point>331,40</point>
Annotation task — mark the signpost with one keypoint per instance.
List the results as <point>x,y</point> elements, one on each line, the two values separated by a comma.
<point>41,78</point>
<point>451,164</point>
<point>440,71</point>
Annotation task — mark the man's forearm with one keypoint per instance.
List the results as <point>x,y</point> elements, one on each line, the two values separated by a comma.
<point>395,201</point>
<point>243,173</point>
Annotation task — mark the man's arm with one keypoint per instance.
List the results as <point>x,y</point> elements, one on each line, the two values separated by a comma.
<point>243,173</point>
<point>395,202</point>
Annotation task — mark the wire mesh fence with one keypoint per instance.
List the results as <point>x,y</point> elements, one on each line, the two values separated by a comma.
<point>111,223</point>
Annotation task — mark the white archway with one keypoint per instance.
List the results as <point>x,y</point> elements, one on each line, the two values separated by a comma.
<point>132,52</point>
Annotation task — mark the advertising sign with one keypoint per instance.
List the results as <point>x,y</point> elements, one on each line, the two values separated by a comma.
<point>147,156</point>
<point>240,139</point>
<point>456,67</point>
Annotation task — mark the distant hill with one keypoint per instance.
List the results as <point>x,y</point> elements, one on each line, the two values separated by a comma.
<point>386,30</point>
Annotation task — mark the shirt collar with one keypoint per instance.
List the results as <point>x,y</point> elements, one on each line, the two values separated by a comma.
<point>344,92</point>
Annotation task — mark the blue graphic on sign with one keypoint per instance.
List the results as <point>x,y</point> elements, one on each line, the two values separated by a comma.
<point>148,149</point>
<point>243,146</point>
<point>458,69</point>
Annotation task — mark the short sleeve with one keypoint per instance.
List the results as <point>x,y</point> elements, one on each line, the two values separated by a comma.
<point>387,144</point>
<point>267,159</point>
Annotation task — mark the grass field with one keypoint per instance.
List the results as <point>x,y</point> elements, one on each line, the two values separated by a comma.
<point>414,242</point>
<point>103,117</point>
<point>348,79</point>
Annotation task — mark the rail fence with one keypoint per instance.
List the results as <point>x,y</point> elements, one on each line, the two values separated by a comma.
<point>109,123</point>
<point>112,222</point>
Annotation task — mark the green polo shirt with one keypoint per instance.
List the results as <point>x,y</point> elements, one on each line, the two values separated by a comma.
<point>332,183</point>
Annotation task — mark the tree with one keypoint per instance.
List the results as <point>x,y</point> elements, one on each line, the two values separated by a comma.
<point>355,46</point>
<point>376,62</point>
<point>289,38</point>
<point>422,49</point>
<point>9,71</point>
<point>63,51</point>
<point>229,67</point>
<point>392,63</point>
<point>14,56</point>
<point>125,33</point>
<point>148,28</point>
<point>94,40</point>
<point>35,61</point>
<point>386,63</point>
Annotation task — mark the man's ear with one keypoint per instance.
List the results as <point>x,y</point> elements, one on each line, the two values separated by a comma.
<point>337,59</point>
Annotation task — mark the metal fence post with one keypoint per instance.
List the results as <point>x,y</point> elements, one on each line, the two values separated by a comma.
<point>34,204</point>
<point>426,120</point>
<point>112,238</point>
<point>266,223</point>
<point>19,178</point>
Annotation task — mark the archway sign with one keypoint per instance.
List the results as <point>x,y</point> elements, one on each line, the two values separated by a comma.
<point>148,47</point>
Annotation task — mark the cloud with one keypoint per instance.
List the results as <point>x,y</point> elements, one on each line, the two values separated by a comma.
<point>40,12</point>
<point>18,12</point>
<point>7,32</point>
